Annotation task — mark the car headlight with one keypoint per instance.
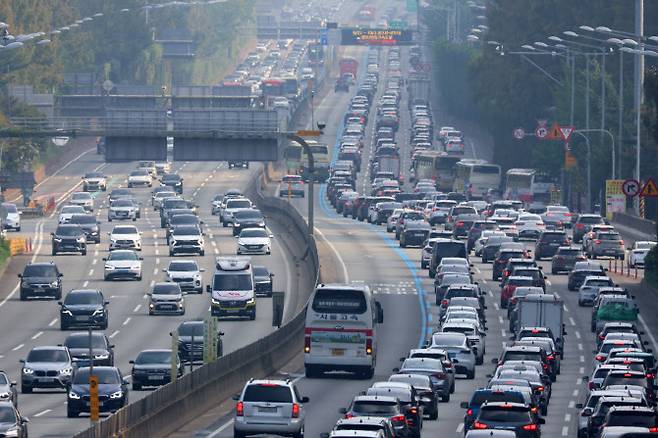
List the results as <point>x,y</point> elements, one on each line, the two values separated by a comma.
<point>201,242</point>
<point>28,370</point>
<point>251,301</point>
<point>66,371</point>
<point>53,284</point>
<point>109,267</point>
<point>98,312</point>
<point>101,356</point>
<point>4,395</point>
<point>57,239</point>
<point>67,312</point>
<point>116,395</point>
<point>74,396</point>
<point>236,224</point>
<point>261,224</point>
<point>180,303</point>
<point>80,240</point>
<point>215,301</point>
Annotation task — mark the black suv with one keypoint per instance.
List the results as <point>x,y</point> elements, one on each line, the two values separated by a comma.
<point>475,232</point>
<point>153,368</point>
<point>263,281</point>
<point>549,242</point>
<point>89,225</point>
<point>83,308</point>
<point>40,280</point>
<point>69,238</point>
<point>190,341</point>
<point>173,180</point>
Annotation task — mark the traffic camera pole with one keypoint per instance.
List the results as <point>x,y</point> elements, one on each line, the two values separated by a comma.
<point>311,172</point>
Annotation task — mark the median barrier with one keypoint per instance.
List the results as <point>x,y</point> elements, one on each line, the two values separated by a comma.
<point>171,406</point>
<point>637,223</point>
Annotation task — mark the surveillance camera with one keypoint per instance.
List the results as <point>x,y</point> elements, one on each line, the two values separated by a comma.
<point>321,126</point>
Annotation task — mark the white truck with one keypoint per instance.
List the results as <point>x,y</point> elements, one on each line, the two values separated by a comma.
<point>389,164</point>
<point>543,310</point>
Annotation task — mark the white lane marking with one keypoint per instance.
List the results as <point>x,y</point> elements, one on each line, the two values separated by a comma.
<point>36,335</point>
<point>44,412</point>
<point>338,257</point>
<point>152,283</point>
<point>85,284</point>
<point>496,306</point>
<point>157,260</point>
<point>484,282</point>
<point>548,282</point>
<point>648,332</point>
<point>18,347</point>
<point>566,309</point>
<point>490,294</point>
<point>155,271</point>
<point>582,358</point>
<point>567,418</point>
<point>577,333</point>
<point>93,262</point>
<point>476,269</point>
<point>565,431</point>
<point>53,322</point>
<point>575,392</point>
<point>503,333</point>
<point>572,322</point>
<point>213,243</point>
<point>572,404</point>
<point>137,307</point>
<point>581,370</point>
<point>460,427</point>
<point>91,272</point>
<point>116,332</point>
<point>215,250</point>
<point>580,346</point>
<point>127,321</point>
<point>157,251</point>
<point>500,319</point>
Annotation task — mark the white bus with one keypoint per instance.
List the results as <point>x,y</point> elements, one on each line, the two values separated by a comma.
<point>341,330</point>
<point>529,186</point>
<point>435,165</point>
<point>474,177</point>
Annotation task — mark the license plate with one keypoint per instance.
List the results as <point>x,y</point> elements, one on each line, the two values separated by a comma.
<point>99,403</point>
<point>156,377</point>
<point>337,352</point>
<point>231,310</point>
<point>46,379</point>
<point>419,234</point>
<point>82,318</point>
<point>265,410</point>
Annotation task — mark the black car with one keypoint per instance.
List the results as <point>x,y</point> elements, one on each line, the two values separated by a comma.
<point>173,180</point>
<point>548,243</point>
<point>168,205</point>
<point>89,225</point>
<point>11,422</point>
<point>190,341</point>
<point>462,224</point>
<point>112,391</point>
<point>69,238</point>
<point>83,308</point>
<point>238,163</point>
<point>247,218</point>
<point>120,193</point>
<point>446,248</point>
<point>186,218</point>
<point>475,232</point>
<point>414,233</point>
<point>153,368</point>
<point>40,280</point>
<point>101,350</point>
<point>517,417</point>
<point>263,281</point>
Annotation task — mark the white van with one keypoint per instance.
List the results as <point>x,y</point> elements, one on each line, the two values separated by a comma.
<point>341,330</point>
<point>232,288</point>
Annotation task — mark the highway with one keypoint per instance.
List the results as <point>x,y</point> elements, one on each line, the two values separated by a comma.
<point>131,329</point>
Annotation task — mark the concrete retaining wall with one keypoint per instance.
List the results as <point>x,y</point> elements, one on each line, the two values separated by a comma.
<point>643,225</point>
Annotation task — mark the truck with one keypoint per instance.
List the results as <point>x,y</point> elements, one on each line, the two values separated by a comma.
<point>348,67</point>
<point>543,310</point>
<point>418,87</point>
<point>388,163</point>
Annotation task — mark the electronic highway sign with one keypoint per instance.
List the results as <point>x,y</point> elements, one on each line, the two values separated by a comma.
<point>375,37</point>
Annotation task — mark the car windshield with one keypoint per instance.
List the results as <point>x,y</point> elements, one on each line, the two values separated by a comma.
<point>82,341</point>
<point>7,415</point>
<point>70,209</point>
<point>122,255</point>
<point>590,220</point>
<point>505,415</point>
<point>634,419</point>
<point>68,231</point>
<point>609,236</point>
<point>180,219</point>
<point>76,298</point>
<point>171,204</point>
<point>451,249</point>
<point>448,340</point>
<point>94,175</point>
<point>626,379</point>
<point>106,376</point>
<point>569,252</point>
<point>496,396</point>
<point>185,230</point>
<point>195,328</point>
<point>239,203</point>
<point>82,196</point>
<point>166,289</point>
<point>183,266</point>
<point>267,392</point>
<point>248,214</point>
<point>375,408</point>
<point>416,380</point>
<point>47,356</point>
<point>83,219</point>
<point>139,172</point>
<point>171,177</point>
<point>146,357</point>
<point>3,379</point>
<point>522,355</point>
<point>554,237</point>
<point>339,301</point>
<point>125,230</point>
<point>232,282</point>
<point>254,233</point>
<point>165,194</point>
<point>39,271</point>
<point>122,203</point>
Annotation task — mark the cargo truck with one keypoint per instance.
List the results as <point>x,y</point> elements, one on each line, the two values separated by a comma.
<point>543,310</point>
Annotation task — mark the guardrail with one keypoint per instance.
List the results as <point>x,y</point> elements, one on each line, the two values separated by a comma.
<point>637,223</point>
<point>171,406</point>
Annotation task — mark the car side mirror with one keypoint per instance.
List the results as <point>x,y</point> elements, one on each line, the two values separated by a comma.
<point>21,360</point>
<point>463,405</point>
<point>52,234</point>
<point>542,420</point>
<point>271,274</point>
<point>149,294</point>
<point>132,362</point>
<point>208,289</point>
<point>60,275</point>
<point>494,361</point>
<point>164,269</point>
<point>586,378</point>
<point>107,303</point>
<point>12,383</point>
<point>305,400</point>
<point>111,346</point>
<point>20,275</point>
<point>396,370</point>
<point>141,258</point>
<point>59,302</point>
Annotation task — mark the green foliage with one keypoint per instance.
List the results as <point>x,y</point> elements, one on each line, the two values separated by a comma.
<point>451,67</point>
<point>651,266</point>
<point>5,252</point>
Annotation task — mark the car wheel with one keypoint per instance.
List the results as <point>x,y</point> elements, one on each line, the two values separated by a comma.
<point>58,295</point>
<point>367,374</point>
<point>479,360</point>
<point>202,253</point>
<point>252,315</point>
<point>137,387</point>
<point>63,326</point>
<point>237,434</point>
<point>434,414</point>
<point>299,434</point>
<point>135,219</point>
<point>83,252</point>
<point>224,224</point>
<point>311,372</point>
<point>53,252</point>
<point>26,389</point>
<point>470,375</point>
<point>139,278</point>
<point>23,296</point>
<point>171,253</point>
<point>553,271</point>
<point>71,413</point>
<point>18,229</point>
<point>445,398</point>
<point>104,325</point>
<point>109,219</point>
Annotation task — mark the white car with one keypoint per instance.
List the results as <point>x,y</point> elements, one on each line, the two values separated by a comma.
<point>186,273</point>
<point>186,239</point>
<point>162,168</point>
<point>140,177</point>
<point>479,243</point>
<point>123,263</point>
<point>68,211</point>
<point>233,205</point>
<point>161,196</point>
<point>529,226</point>
<point>122,209</point>
<point>307,73</point>
<point>125,237</point>
<point>94,181</point>
<point>83,199</point>
<point>254,241</point>
<point>148,166</point>
<point>13,219</point>
<point>638,252</point>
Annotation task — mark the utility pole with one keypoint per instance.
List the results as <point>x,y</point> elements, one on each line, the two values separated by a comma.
<point>639,84</point>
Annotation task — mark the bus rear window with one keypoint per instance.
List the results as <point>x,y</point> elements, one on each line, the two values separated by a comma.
<point>339,301</point>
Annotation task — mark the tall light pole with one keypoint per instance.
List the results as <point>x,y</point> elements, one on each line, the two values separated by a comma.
<point>639,85</point>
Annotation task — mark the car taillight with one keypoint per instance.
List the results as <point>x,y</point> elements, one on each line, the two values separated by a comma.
<point>567,214</point>
<point>580,226</point>
<point>295,410</point>
<point>597,241</point>
<point>239,409</point>
<point>590,385</point>
<point>530,427</point>
<point>601,337</point>
<point>460,223</point>
<point>599,358</point>
<point>540,389</point>
<point>621,242</point>
<point>348,416</point>
<point>444,303</point>
<point>469,412</point>
<point>307,344</point>
<point>478,425</point>
<point>550,357</point>
<point>653,429</point>
<point>369,346</point>
<point>398,419</point>
<point>650,376</point>
<point>440,375</point>
<point>534,409</point>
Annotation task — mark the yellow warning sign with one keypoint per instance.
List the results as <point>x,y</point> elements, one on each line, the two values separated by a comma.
<point>650,190</point>
<point>569,160</point>
<point>554,133</point>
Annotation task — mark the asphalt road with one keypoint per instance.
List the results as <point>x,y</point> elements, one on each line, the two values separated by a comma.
<point>131,329</point>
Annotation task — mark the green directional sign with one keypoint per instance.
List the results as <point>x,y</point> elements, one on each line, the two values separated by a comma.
<point>398,24</point>
<point>412,5</point>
